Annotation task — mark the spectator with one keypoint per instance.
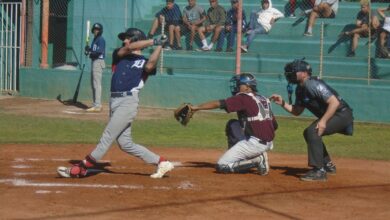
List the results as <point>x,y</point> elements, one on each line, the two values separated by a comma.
<point>385,33</point>
<point>362,26</point>
<point>293,3</point>
<point>173,20</point>
<point>216,18</point>
<point>322,9</point>
<point>261,22</point>
<point>193,17</point>
<point>231,25</point>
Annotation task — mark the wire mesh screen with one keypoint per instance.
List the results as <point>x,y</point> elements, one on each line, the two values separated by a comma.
<point>344,41</point>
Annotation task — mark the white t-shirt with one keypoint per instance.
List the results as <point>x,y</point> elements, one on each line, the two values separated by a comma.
<point>265,16</point>
<point>386,24</point>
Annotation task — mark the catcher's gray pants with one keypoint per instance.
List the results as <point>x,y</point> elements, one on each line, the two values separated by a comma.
<point>96,81</point>
<point>317,153</point>
<point>243,152</point>
<point>122,113</point>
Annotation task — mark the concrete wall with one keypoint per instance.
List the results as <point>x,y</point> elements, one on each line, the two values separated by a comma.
<point>168,91</point>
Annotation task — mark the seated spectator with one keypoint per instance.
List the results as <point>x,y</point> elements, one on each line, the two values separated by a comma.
<point>321,9</point>
<point>173,20</point>
<point>261,22</point>
<point>385,33</point>
<point>215,21</point>
<point>231,25</point>
<point>193,17</point>
<point>305,4</point>
<point>362,26</point>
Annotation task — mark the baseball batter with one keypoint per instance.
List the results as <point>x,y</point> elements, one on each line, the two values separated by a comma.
<point>249,137</point>
<point>130,72</point>
<point>333,113</point>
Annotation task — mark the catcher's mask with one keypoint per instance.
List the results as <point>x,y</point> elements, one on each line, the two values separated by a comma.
<point>99,27</point>
<point>135,34</point>
<point>291,69</point>
<point>242,79</point>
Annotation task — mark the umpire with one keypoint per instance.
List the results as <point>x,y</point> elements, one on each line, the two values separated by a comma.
<point>333,113</point>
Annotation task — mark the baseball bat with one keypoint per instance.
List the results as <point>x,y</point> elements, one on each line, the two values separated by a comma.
<point>76,93</point>
<point>87,33</point>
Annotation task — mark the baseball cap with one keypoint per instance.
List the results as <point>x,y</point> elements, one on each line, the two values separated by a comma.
<point>233,1</point>
<point>170,1</point>
<point>264,1</point>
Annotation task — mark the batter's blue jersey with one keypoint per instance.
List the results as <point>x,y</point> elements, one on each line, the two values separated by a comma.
<point>128,72</point>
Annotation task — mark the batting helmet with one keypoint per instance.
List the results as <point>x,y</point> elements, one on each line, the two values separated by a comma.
<point>99,27</point>
<point>242,79</point>
<point>135,34</point>
<point>291,69</point>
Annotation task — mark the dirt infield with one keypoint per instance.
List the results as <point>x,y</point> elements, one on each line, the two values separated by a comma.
<point>30,188</point>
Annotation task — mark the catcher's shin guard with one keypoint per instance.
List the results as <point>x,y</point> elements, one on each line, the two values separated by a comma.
<point>234,132</point>
<point>239,167</point>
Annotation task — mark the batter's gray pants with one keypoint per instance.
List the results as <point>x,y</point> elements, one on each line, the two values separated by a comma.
<point>96,81</point>
<point>122,113</point>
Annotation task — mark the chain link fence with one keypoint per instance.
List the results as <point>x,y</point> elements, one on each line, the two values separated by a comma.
<point>195,29</point>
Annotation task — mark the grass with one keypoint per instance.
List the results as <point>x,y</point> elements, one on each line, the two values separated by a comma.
<point>206,130</point>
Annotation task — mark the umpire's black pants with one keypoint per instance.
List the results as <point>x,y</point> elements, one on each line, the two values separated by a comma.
<point>317,153</point>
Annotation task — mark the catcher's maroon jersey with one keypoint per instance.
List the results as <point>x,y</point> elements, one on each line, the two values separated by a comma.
<point>247,107</point>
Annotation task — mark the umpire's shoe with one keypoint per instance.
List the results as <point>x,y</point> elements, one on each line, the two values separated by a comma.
<point>330,168</point>
<point>315,175</point>
<point>162,168</point>
<point>263,167</point>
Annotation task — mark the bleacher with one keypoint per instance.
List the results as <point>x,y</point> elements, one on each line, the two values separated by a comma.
<point>269,53</point>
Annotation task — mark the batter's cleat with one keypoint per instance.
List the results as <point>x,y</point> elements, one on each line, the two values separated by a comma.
<point>94,109</point>
<point>330,168</point>
<point>263,167</point>
<point>315,175</point>
<point>64,172</point>
<point>162,168</point>
<point>308,34</point>
<point>75,171</point>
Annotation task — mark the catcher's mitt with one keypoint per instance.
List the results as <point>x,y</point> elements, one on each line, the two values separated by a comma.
<point>184,113</point>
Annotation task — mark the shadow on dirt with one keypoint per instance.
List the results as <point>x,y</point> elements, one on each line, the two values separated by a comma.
<point>291,171</point>
<point>71,102</point>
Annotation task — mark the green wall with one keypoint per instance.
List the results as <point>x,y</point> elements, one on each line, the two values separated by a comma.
<point>370,103</point>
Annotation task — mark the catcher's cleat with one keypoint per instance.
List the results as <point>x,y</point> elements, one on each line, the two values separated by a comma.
<point>162,168</point>
<point>263,167</point>
<point>94,109</point>
<point>315,175</point>
<point>330,168</point>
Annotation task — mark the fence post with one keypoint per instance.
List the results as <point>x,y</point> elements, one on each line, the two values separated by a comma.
<point>321,49</point>
<point>45,33</point>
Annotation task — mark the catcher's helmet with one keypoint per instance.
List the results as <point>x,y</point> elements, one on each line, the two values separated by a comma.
<point>99,27</point>
<point>242,79</point>
<point>291,69</point>
<point>135,34</point>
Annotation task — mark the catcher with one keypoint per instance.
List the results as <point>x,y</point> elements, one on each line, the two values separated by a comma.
<point>249,137</point>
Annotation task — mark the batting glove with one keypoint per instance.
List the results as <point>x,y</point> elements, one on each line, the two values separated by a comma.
<point>87,50</point>
<point>160,40</point>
